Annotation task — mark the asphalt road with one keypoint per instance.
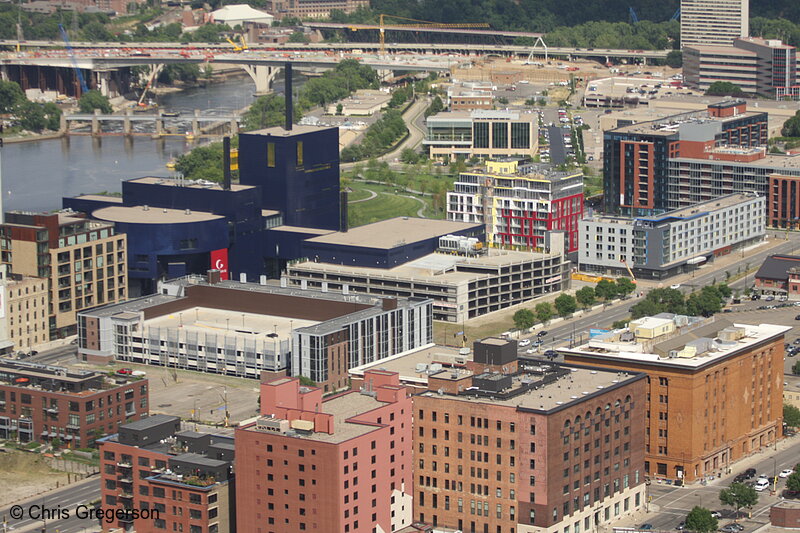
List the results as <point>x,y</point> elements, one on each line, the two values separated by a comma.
<point>674,503</point>
<point>558,151</point>
<point>68,499</point>
<point>63,355</point>
<point>578,329</point>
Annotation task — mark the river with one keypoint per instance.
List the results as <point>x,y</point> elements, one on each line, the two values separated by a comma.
<point>37,174</point>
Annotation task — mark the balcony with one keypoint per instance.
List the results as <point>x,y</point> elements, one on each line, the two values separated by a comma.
<point>125,464</point>
<point>126,495</point>
<point>126,478</point>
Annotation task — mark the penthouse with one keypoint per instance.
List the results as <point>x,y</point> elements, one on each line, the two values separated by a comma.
<point>152,464</point>
<point>241,329</point>
<point>43,403</point>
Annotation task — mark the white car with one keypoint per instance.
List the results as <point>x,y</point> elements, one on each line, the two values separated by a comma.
<point>761,485</point>
<point>524,342</point>
<point>676,286</point>
<point>531,350</point>
<point>786,473</point>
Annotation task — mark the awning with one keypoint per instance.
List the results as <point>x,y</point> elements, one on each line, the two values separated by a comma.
<point>68,437</point>
<point>44,433</point>
<point>696,260</point>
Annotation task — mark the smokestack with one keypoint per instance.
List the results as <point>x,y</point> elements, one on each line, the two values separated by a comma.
<point>343,196</point>
<point>287,71</point>
<point>226,163</point>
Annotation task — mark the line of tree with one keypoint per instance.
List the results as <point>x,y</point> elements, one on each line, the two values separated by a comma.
<point>708,301</point>
<point>724,88</point>
<point>791,128</point>
<point>28,115</point>
<point>379,137</point>
<point>348,76</point>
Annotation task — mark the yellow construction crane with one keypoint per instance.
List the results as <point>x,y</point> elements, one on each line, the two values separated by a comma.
<point>238,47</point>
<point>633,278</point>
<point>424,24</point>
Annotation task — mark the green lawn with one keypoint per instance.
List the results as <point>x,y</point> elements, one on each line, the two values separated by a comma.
<point>386,205</point>
<point>359,194</point>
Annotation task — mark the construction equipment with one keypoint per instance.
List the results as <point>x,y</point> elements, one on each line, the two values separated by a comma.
<point>632,15</point>
<point>71,52</point>
<point>422,24</point>
<point>238,47</point>
<point>677,14</point>
<point>633,278</point>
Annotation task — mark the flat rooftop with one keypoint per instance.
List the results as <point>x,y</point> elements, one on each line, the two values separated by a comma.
<point>192,184</point>
<point>300,229</point>
<point>231,323</point>
<point>669,125</point>
<point>100,198</point>
<point>435,268</point>
<point>577,385</point>
<point>394,232</point>
<point>405,364</point>
<point>704,207</point>
<point>152,215</point>
<point>632,351</point>
<point>722,50</point>
<point>297,129</point>
<point>149,422</point>
<point>769,161</point>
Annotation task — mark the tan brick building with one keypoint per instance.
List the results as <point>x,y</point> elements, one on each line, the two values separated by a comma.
<point>714,390</point>
<point>527,449</point>
<point>83,260</point>
<point>24,311</point>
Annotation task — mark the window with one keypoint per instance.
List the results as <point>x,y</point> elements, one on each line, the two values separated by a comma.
<point>271,155</point>
<point>299,153</point>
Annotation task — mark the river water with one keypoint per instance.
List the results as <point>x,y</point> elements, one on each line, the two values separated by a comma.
<point>37,174</point>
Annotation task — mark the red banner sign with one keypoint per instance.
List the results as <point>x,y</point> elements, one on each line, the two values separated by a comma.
<point>219,261</point>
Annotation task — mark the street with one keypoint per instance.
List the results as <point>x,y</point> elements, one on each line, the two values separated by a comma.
<point>67,498</point>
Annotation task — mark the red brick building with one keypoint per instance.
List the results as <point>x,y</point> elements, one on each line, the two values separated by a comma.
<point>338,465</point>
<point>535,449</point>
<point>779,275</point>
<point>179,480</point>
<point>42,403</point>
<point>714,388</point>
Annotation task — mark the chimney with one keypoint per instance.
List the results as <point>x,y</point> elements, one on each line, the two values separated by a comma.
<point>213,276</point>
<point>226,163</point>
<point>343,195</point>
<point>287,88</point>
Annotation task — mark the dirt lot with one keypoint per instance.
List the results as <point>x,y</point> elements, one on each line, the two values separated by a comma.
<point>24,474</point>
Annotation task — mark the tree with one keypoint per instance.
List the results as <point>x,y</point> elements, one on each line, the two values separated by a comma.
<point>793,481</point>
<point>796,368</point>
<point>307,382</point>
<point>724,88</point>
<point>436,107</point>
<point>565,304</point>
<point>92,100</point>
<point>675,59</point>
<point>791,128</point>
<point>11,95</point>
<point>339,108</point>
<point>700,520</point>
<point>31,116</point>
<point>298,37</point>
<point>524,319</point>
<point>409,156</point>
<point>585,296</point>
<point>738,495</point>
<point>646,307</point>
<point>53,116</point>
<point>544,311</point>
<point>605,289</point>
<point>502,100</point>
<point>55,442</point>
<point>791,415</point>
<point>625,286</point>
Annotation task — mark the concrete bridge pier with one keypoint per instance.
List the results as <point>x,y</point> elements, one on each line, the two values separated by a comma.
<point>103,77</point>
<point>263,76</point>
<point>96,123</point>
<point>234,127</point>
<point>159,127</point>
<point>384,74</point>
<point>4,72</point>
<point>126,123</point>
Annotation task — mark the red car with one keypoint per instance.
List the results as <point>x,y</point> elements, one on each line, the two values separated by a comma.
<point>125,371</point>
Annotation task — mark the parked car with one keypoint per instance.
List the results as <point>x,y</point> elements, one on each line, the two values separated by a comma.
<point>786,472</point>
<point>675,287</point>
<point>646,527</point>
<point>770,298</point>
<point>681,526</point>
<point>740,478</point>
<point>791,494</point>
<point>125,371</point>
<point>750,472</point>
<point>716,514</point>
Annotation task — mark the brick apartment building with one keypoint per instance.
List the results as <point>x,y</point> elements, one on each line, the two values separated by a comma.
<point>341,465</point>
<point>84,261</point>
<point>183,479</point>
<point>714,388</point>
<point>518,448</point>
<point>26,308</point>
<point>43,402</point>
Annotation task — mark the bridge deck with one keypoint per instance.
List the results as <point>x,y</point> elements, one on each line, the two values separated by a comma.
<point>141,117</point>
